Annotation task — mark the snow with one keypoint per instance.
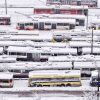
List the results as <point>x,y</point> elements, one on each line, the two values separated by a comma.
<point>52,73</point>
<point>61,7</point>
<point>6,75</point>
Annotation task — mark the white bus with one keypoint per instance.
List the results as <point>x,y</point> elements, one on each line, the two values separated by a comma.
<point>59,78</point>
<point>38,54</point>
<point>6,79</point>
<point>21,69</point>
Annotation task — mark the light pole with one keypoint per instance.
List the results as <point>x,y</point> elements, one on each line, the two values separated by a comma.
<point>6,6</point>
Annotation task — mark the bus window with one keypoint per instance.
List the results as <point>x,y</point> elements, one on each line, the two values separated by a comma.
<point>22,26</point>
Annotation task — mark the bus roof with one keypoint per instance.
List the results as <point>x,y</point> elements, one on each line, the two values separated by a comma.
<point>55,73</point>
<point>79,65</point>
<point>48,20</point>
<point>42,50</point>
<point>83,44</point>
<point>87,50</point>
<point>45,37</point>
<point>36,66</point>
<point>5,16</point>
<point>31,43</point>
<point>66,58</point>
<point>61,7</point>
<point>64,16</point>
<point>6,75</point>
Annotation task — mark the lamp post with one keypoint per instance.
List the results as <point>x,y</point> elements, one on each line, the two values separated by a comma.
<point>6,7</point>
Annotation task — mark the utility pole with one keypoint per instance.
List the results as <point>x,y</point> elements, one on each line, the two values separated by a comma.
<point>92,42</point>
<point>6,6</point>
<point>87,19</point>
<point>98,84</point>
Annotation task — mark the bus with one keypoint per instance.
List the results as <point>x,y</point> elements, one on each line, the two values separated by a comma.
<point>94,80</point>
<point>22,69</point>
<point>38,54</point>
<point>5,20</point>
<point>54,78</point>
<point>6,79</point>
<point>46,24</point>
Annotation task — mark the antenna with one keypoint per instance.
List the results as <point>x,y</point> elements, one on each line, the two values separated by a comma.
<point>26,16</point>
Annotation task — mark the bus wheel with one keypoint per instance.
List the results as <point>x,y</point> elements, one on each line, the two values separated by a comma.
<point>62,85</point>
<point>68,84</point>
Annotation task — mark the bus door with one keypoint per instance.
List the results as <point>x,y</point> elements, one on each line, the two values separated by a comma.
<point>41,26</point>
<point>35,25</point>
<point>53,25</point>
<point>29,56</point>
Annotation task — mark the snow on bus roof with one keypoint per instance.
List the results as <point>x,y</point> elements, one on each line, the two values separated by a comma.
<point>35,44</point>
<point>54,65</point>
<point>5,16</point>
<point>79,65</point>
<point>36,65</point>
<point>86,50</point>
<point>43,98</point>
<point>6,75</point>
<point>64,50</point>
<point>55,72</point>
<point>42,50</point>
<point>72,21</point>
<point>25,37</point>
<point>61,7</point>
<point>69,16</point>
<point>66,58</point>
<point>82,44</point>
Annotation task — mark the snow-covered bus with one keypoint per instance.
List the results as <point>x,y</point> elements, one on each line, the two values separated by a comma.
<point>5,20</point>
<point>6,79</point>
<point>22,69</point>
<point>80,19</point>
<point>38,54</point>
<point>36,38</point>
<point>46,24</point>
<point>61,78</point>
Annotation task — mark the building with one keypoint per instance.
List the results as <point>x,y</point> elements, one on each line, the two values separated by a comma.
<point>89,3</point>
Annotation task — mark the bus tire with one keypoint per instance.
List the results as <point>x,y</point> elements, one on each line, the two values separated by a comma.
<point>68,84</point>
<point>62,85</point>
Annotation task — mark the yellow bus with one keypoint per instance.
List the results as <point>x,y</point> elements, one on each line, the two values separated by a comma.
<point>61,78</point>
